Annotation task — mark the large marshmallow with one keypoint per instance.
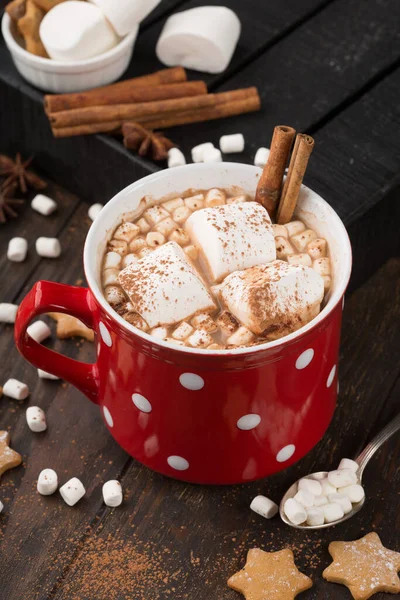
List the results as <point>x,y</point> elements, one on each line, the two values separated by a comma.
<point>275,299</point>
<point>164,288</point>
<point>75,31</point>
<point>232,237</point>
<point>202,38</point>
<point>125,15</point>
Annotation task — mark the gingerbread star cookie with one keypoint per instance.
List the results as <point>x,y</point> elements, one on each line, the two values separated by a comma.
<point>365,566</point>
<point>269,575</point>
<point>8,458</point>
<point>68,327</point>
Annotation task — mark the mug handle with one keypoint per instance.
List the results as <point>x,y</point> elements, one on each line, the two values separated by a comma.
<point>47,296</point>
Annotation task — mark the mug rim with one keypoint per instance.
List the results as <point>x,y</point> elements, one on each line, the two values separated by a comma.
<point>107,211</point>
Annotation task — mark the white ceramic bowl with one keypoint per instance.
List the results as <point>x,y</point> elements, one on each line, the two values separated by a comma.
<point>62,77</point>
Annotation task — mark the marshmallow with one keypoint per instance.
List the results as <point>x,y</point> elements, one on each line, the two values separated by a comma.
<point>191,252</point>
<point>327,487</point>
<point>182,331</point>
<point>354,492</point>
<point>215,197</point>
<point>110,277</point>
<point>347,463</point>
<point>264,507</point>
<point>126,232</point>
<point>315,516</point>
<point>320,500</point>
<point>39,331</point>
<point>48,247</point>
<point>317,248</point>
<point>143,225</point>
<point>342,477</point>
<point>17,249</point>
<point>43,205</point>
<point>200,339</point>
<point>300,259</point>
<point>47,482</point>
<point>152,285</point>
<point>305,498</point>
<point>15,389</point>
<point>112,493</point>
<point>279,230</point>
<point>261,157</point>
<point>322,265</point>
<point>36,419</point>
<point>341,499</point>
<point>310,485</point>
<point>1,506</point>
<point>212,155</point>
<point>75,31</point>
<point>154,239</point>
<point>94,211</point>
<point>125,15</point>
<point>275,298</point>
<point>112,260</point>
<point>237,199</point>
<point>45,375</point>
<point>232,237</point>
<point>284,248</point>
<point>230,144</point>
<point>295,512</point>
<point>120,246</point>
<point>302,239</point>
<point>205,322</point>
<point>240,337</point>
<point>72,491</point>
<point>202,38</point>
<point>198,151</point>
<point>159,332</point>
<point>155,214</point>
<point>176,158</point>
<point>166,226</point>
<point>114,295</point>
<point>332,512</point>
<point>8,312</point>
<point>295,227</point>
<point>179,236</point>
<point>318,475</point>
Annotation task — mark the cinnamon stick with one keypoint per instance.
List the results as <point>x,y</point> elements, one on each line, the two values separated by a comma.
<point>298,165</point>
<point>270,183</point>
<point>116,93</point>
<point>148,110</point>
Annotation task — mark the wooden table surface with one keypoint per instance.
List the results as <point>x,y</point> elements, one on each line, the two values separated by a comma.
<point>331,67</point>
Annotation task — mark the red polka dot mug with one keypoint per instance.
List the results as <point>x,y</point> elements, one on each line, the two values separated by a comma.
<point>219,417</point>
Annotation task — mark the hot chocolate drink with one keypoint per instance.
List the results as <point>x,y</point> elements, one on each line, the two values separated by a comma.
<point>209,270</point>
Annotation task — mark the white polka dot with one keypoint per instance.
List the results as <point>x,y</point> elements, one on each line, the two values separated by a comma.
<point>141,403</point>
<point>108,417</point>
<point>304,359</point>
<point>331,377</point>
<point>248,422</point>
<point>191,381</point>
<point>105,335</point>
<point>286,453</point>
<point>178,463</point>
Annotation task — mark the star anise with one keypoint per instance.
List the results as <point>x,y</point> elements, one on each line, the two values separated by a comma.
<point>145,141</point>
<point>17,171</point>
<point>7,202</point>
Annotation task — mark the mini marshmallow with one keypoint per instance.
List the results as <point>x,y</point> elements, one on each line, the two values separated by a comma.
<point>310,485</point>
<point>182,331</point>
<point>341,499</point>
<point>322,265</point>
<point>279,230</point>
<point>126,231</point>
<point>48,247</point>
<point>125,15</point>
<point>39,331</point>
<point>17,249</point>
<point>179,236</point>
<point>112,260</point>
<point>200,339</point>
<point>72,491</point>
<point>94,211</point>
<point>240,337</point>
<point>166,226</point>
<point>318,475</point>
<point>36,419</point>
<point>230,144</point>
<point>295,512</point>
<point>212,155</point>
<point>347,463</point>
<point>327,487</point>
<point>261,157</point>
<point>300,259</point>
<point>152,283</point>
<point>284,248</point>
<point>159,332</point>
<point>215,197</point>
<point>342,477</point>
<point>75,31</point>
<point>45,375</point>
<point>143,225</point>
<point>8,312</point>
<point>295,227</point>
<point>247,241</point>
<point>171,205</point>
<point>181,214</point>
<point>112,493</point>
<point>264,507</point>
<point>237,199</point>
<point>47,482</point>
<point>43,205</point>
<point>15,389</point>
<point>320,500</point>
<point>302,239</point>
<point>205,322</point>
<point>176,158</point>
<point>332,512</point>
<point>317,248</point>
<point>354,492</point>
<point>315,516</point>
<point>305,498</point>
<point>198,151</point>
<point>202,38</point>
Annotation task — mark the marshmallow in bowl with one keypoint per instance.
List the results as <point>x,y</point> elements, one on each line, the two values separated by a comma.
<point>75,31</point>
<point>125,15</point>
<point>274,299</point>
<point>164,288</point>
<point>202,38</point>
<point>232,237</point>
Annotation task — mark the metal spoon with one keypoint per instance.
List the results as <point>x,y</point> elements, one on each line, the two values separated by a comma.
<point>362,461</point>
